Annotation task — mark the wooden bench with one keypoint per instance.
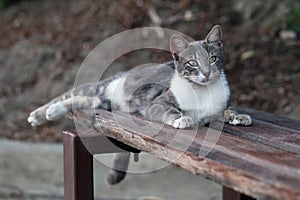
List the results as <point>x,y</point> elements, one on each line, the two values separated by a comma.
<point>259,161</point>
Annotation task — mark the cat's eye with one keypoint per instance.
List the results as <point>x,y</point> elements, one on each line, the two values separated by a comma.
<point>192,63</point>
<point>212,59</point>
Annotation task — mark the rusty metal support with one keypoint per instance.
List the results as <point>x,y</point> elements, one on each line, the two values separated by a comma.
<point>78,169</point>
<point>230,194</point>
<point>78,162</point>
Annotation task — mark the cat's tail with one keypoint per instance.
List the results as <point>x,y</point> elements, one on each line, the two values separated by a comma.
<point>119,169</point>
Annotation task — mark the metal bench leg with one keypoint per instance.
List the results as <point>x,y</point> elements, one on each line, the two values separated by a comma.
<point>230,194</point>
<point>78,169</point>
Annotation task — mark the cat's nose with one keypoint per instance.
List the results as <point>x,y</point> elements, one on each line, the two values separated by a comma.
<point>206,74</point>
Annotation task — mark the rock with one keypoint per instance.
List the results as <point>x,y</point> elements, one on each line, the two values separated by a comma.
<point>288,35</point>
<point>247,54</point>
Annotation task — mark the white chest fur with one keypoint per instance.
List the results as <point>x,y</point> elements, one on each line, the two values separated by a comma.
<point>115,92</point>
<point>201,102</point>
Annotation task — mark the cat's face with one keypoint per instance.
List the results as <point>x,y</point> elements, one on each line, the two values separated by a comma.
<point>199,62</point>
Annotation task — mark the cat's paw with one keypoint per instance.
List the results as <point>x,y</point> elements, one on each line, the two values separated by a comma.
<point>229,115</point>
<point>56,111</point>
<point>241,119</point>
<point>183,122</point>
<point>37,117</point>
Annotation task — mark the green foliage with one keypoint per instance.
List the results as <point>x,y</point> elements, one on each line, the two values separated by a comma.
<point>2,4</point>
<point>293,19</point>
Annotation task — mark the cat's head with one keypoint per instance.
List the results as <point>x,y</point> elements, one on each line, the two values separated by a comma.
<point>199,62</point>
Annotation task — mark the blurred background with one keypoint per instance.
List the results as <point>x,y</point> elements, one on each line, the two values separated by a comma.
<point>43,43</point>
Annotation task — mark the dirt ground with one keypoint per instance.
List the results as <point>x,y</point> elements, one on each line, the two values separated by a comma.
<point>42,44</point>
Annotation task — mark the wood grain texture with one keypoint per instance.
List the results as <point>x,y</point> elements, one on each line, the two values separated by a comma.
<point>262,160</point>
<point>271,118</point>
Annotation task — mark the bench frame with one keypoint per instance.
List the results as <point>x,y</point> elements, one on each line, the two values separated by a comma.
<point>258,161</point>
<point>78,167</point>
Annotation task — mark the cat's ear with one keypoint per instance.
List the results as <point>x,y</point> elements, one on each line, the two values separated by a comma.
<point>215,35</point>
<point>177,45</point>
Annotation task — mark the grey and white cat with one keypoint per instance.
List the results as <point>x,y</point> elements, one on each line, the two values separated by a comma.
<point>192,89</point>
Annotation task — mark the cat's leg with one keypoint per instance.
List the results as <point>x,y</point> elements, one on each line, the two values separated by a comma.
<point>38,116</point>
<point>63,104</point>
<point>83,96</point>
<point>120,165</point>
<point>170,116</point>
<point>231,116</point>
<point>58,109</point>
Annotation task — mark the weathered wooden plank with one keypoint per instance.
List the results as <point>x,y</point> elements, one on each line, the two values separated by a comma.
<point>245,150</point>
<point>247,166</point>
<point>271,118</point>
<point>270,130</point>
<point>268,134</point>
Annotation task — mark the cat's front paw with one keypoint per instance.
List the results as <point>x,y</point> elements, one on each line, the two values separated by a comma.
<point>37,117</point>
<point>56,111</point>
<point>182,122</point>
<point>241,119</point>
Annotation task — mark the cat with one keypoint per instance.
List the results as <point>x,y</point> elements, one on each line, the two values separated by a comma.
<point>192,89</point>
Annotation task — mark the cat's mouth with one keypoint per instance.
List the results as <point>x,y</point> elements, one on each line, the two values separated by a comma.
<point>206,81</point>
<point>201,82</point>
